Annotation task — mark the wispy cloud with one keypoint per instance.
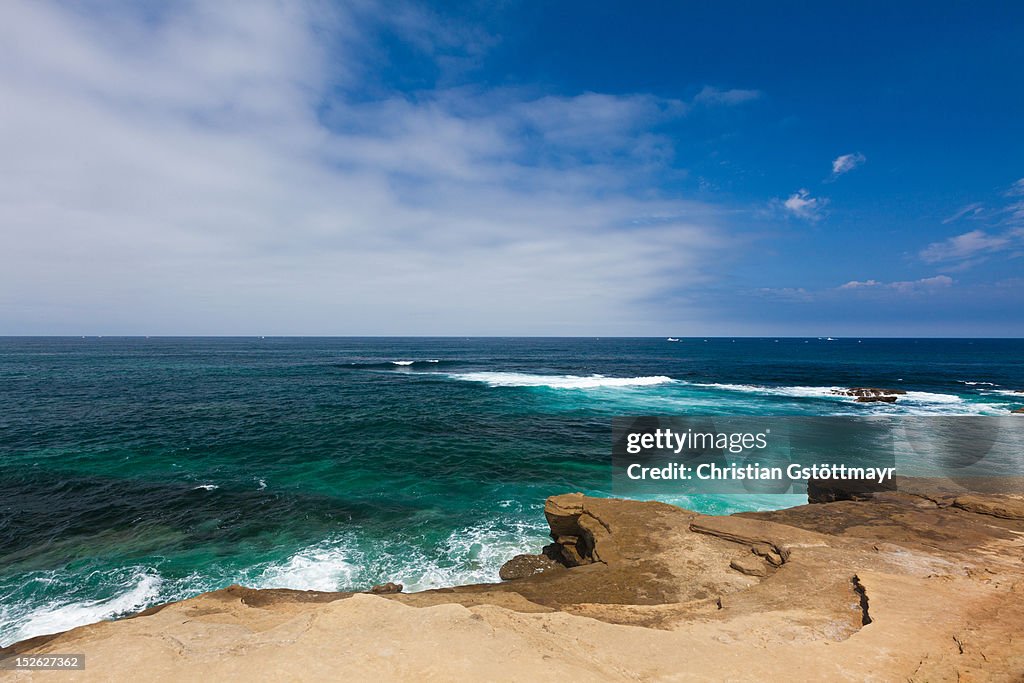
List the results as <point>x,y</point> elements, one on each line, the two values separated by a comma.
<point>1003,232</point>
<point>906,286</point>
<point>712,95</point>
<point>969,211</point>
<point>802,205</point>
<point>1014,211</point>
<point>791,294</point>
<point>845,163</point>
<point>221,168</point>
<point>969,245</point>
<point>893,290</point>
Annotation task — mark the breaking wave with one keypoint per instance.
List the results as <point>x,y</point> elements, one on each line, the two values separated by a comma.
<point>911,402</point>
<point>468,555</point>
<point>399,363</point>
<point>521,379</point>
<point>139,588</point>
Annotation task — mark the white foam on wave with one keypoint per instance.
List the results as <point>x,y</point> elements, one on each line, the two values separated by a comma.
<point>402,362</point>
<point>827,392</point>
<point>206,487</point>
<point>522,379</point>
<point>1008,392</point>
<point>327,566</point>
<point>55,616</point>
<point>795,391</point>
<point>929,397</point>
<point>910,403</point>
<point>471,554</point>
<point>973,384</point>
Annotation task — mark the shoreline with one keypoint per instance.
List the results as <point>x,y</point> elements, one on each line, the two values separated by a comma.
<point>924,583</point>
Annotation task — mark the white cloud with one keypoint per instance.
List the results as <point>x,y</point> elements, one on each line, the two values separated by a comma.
<point>802,205</point>
<point>792,294</point>
<point>222,169</point>
<point>861,284</point>
<point>970,245</point>
<point>907,286</point>
<point>871,288</point>
<point>845,163</point>
<point>969,211</point>
<point>621,123</point>
<point>1003,233</point>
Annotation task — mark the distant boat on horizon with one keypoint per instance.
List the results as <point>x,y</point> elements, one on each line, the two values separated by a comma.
<point>671,339</point>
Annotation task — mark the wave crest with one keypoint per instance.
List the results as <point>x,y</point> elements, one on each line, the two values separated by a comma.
<point>139,589</point>
<point>391,364</point>
<point>522,379</point>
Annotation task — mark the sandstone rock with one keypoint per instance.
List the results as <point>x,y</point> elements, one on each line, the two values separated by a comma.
<point>1018,410</point>
<point>928,579</point>
<point>769,553</point>
<point>1003,506</point>
<point>521,566</point>
<point>385,588</point>
<point>750,565</point>
<point>573,529</point>
<point>831,490</point>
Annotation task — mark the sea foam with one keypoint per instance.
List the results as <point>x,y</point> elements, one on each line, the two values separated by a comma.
<point>327,566</point>
<point>910,403</point>
<point>522,379</point>
<point>141,589</point>
<point>356,561</point>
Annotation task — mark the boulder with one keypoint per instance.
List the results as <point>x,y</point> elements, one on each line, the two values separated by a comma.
<point>521,566</point>
<point>751,565</point>
<point>386,588</point>
<point>870,394</point>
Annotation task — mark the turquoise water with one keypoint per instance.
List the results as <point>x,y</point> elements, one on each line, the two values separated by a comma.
<point>135,471</point>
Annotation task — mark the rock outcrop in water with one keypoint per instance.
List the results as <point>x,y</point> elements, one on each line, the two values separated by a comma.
<point>871,394</point>
<point>924,583</point>
<point>385,588</point>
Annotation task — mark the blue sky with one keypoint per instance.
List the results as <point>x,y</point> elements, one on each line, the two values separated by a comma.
<point>512,168</point>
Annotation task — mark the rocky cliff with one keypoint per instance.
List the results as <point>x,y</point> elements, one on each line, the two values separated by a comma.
<point>922,584</point>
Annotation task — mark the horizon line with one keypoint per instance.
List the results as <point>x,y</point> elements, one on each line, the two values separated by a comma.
<point>481,336</point>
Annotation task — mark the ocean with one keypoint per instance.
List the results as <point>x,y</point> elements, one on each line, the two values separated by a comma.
<point>134,471</point>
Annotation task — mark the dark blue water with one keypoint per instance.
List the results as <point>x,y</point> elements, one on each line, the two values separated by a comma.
<point>134,471</point>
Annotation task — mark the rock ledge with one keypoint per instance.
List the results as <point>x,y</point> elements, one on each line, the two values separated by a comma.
<point>921,583</point>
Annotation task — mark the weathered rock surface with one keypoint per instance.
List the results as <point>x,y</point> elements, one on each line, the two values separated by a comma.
<point>876,399</point>
<point>521,566</point>
<point>385,588</point>
<point>924,583</point>
<point>871,394</point>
